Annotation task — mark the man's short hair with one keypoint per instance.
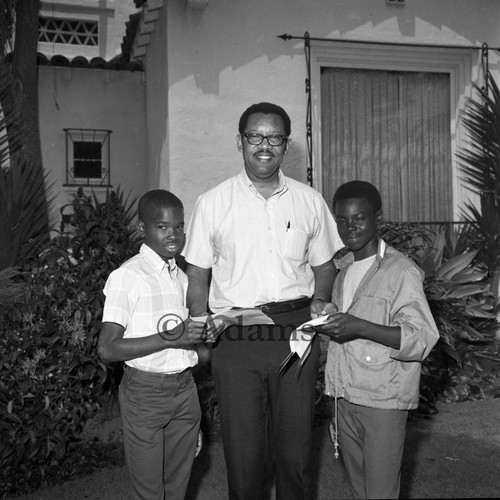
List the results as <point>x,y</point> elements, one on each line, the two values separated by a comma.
<point>268,109</point>
<point>155,199</point>
<point>358,189</point>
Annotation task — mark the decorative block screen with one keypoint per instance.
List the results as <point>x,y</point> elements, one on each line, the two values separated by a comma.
<point>68,31</point>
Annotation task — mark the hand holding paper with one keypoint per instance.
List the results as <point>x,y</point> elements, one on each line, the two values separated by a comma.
<point>218,322</point>
<point>320,308</point>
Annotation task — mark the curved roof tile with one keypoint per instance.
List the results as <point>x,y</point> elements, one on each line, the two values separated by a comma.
<point>118,63</point>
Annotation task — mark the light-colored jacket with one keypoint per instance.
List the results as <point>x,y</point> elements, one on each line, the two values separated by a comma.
<point>370,374</point>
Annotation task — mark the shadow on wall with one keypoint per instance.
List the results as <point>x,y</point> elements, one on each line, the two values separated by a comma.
<point>227,36</point>
<point>295,162</point>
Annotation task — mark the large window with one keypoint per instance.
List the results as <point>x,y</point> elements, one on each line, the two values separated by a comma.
<point>87,157</point>
<point>391,128</point>
<point>392,99</point>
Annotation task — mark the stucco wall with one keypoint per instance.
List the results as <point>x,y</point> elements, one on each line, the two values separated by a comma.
<point>227,56</point>
<point>95,99</point>
<point>157,106</point>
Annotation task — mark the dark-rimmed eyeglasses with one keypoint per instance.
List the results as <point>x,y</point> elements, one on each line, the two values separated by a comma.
<point>272,140</point>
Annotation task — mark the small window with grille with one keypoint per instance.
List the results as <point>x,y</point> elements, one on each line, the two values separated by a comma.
<point>87,157</point>
<point>68,31</point>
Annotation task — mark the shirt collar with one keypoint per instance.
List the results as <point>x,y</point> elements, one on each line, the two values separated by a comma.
<point>282,186</point>
<point>349,258</point>
<point>155,261</point>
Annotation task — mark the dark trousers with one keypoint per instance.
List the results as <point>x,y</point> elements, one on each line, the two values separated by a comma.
<point>161,417</point>
<point>253,397</point>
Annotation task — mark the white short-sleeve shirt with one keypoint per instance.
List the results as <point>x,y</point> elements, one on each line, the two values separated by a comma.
<point>260,250</point>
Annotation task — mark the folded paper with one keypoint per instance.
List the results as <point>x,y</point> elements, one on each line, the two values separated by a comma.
<point>300,342</point>
<point>243,317</point>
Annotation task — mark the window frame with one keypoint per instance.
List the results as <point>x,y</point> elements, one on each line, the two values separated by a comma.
<point>101,136</point>
<point>457,62</point>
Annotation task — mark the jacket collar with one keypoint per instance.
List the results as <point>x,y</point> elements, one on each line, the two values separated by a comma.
<point>349,258</point>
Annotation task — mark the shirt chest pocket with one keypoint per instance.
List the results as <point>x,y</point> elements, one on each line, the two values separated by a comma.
<point>295,244</point>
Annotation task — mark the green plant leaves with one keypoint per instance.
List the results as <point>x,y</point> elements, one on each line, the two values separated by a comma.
<point>51,379</point>
<point>458,291</point>
<point>480,168</point>
<point>468,276</point>
<point>23,213</point>
<point>467,291</point>
<point>455,265</point>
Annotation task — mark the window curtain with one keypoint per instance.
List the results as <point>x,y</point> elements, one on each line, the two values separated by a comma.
<point>393,130</point>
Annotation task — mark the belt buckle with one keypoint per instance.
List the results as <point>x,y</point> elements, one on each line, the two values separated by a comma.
<point>266,308</point>
<point>288,307</point>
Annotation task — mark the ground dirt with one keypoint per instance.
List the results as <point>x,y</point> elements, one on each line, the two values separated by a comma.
<point>453,454</point>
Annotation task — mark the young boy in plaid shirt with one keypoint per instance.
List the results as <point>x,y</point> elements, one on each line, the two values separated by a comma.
<point>145,323</point>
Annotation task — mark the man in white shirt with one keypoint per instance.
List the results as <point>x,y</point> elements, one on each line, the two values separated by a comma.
<point>262,240</point>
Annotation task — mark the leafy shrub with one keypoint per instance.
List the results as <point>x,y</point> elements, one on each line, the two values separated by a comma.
<point>479,162</point>
<point>461,366</point>
<point>51,380</point>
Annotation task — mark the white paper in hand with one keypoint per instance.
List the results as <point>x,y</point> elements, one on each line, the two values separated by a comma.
<point>300,341</point>
<point>244,317</point>
<point>241,317</point>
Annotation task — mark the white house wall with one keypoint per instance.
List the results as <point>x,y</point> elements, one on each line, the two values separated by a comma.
<point>93,99</point>
<point>227,56</point>
<point>157,106</point>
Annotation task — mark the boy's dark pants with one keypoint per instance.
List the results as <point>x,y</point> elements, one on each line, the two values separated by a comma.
<point>252,395</point>
<point>161,417</point>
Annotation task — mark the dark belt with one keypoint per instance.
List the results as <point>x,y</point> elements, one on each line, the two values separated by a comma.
<point>286,306</point>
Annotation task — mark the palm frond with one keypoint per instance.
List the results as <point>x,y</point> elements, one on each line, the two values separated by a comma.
<point>10,130</point>
<point>23,212</point>
<point>7,14</point>
<point>479,164</point>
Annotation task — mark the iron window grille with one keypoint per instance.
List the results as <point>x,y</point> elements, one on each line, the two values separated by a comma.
<point>88,157</point>
<point>68,31</point>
